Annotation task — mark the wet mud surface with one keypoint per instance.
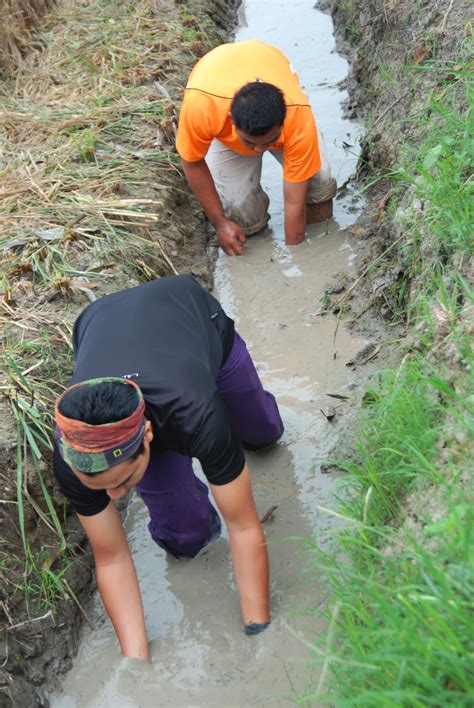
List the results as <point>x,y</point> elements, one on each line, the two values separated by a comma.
<point>199,654</point>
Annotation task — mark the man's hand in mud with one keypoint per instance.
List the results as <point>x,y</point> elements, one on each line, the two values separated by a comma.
<point>231,238</point>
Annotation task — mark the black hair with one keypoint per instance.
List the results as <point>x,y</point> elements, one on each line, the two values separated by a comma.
<point>257,107</point>
<point>99,403</point>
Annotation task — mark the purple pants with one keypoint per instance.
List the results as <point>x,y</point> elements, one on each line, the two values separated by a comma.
<point>182,518</point>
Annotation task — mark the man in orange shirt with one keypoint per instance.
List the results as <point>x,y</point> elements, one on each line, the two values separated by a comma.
<point>241,100</point>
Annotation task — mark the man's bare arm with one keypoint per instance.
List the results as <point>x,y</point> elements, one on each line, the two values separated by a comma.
<point>294,194</point>
<point>229,234</point>
<point>247,543</point>
<point>117,580</point>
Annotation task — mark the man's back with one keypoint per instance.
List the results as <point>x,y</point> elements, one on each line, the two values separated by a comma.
<point>228,67</point>
<point>207,102</point>
<point>171,338</point>
<point>146,329</point>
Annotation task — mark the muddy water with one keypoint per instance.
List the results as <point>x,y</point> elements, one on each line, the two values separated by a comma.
<point>200,656</point>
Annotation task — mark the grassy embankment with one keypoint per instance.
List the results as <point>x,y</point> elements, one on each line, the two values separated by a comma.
<point>89,187</point>
<point>401,616</point>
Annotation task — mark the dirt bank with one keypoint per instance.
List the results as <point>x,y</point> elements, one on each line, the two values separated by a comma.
<point>410,484</point>
<point>92,201</point>
<point>390,45</point>
<point>403,55</point>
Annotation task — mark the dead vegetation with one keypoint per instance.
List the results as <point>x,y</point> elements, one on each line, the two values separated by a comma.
<point>92,201</point>
<point>17,20</point>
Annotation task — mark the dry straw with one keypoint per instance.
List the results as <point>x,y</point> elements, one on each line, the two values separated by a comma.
<point>88,183</point>
<point>17,19</point>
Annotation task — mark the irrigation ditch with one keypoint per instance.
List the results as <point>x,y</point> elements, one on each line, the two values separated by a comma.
<point>93,200</point>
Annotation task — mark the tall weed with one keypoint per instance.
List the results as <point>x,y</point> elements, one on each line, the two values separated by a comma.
<point>403,579</point>
<point>402,573</point>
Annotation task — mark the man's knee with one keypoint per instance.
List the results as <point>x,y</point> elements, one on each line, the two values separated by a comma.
<point>250,212</point>
<point>186,543</point>
<point>321,211</point>
<point>273,432</point>
<point>254,447</point>
<point>322,188</point>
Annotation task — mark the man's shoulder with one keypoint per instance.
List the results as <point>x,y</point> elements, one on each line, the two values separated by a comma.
<point>226,68</point>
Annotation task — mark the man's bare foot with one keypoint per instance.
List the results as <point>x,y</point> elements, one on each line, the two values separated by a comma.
<point>318,212</point>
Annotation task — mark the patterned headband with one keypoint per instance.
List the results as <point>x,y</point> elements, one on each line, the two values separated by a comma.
<point>95,448</point>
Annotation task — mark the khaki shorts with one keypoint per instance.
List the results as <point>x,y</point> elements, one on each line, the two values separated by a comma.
<point>237,180</point>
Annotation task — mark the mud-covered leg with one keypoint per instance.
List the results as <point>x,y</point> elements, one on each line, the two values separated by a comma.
<point>237,180</point>
<point>322,187</point>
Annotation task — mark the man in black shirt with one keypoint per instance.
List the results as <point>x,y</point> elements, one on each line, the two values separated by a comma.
<point>161,377</point>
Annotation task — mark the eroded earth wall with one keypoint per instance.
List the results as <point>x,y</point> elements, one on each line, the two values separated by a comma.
<point>404,55</point>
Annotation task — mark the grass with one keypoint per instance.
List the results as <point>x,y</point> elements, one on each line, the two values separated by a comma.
<point>441,171</point>
<point>404,600</point>
<point>440,243</point>
<point>89,181</point>
<point>32,401</point>
<point>402,569</point>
